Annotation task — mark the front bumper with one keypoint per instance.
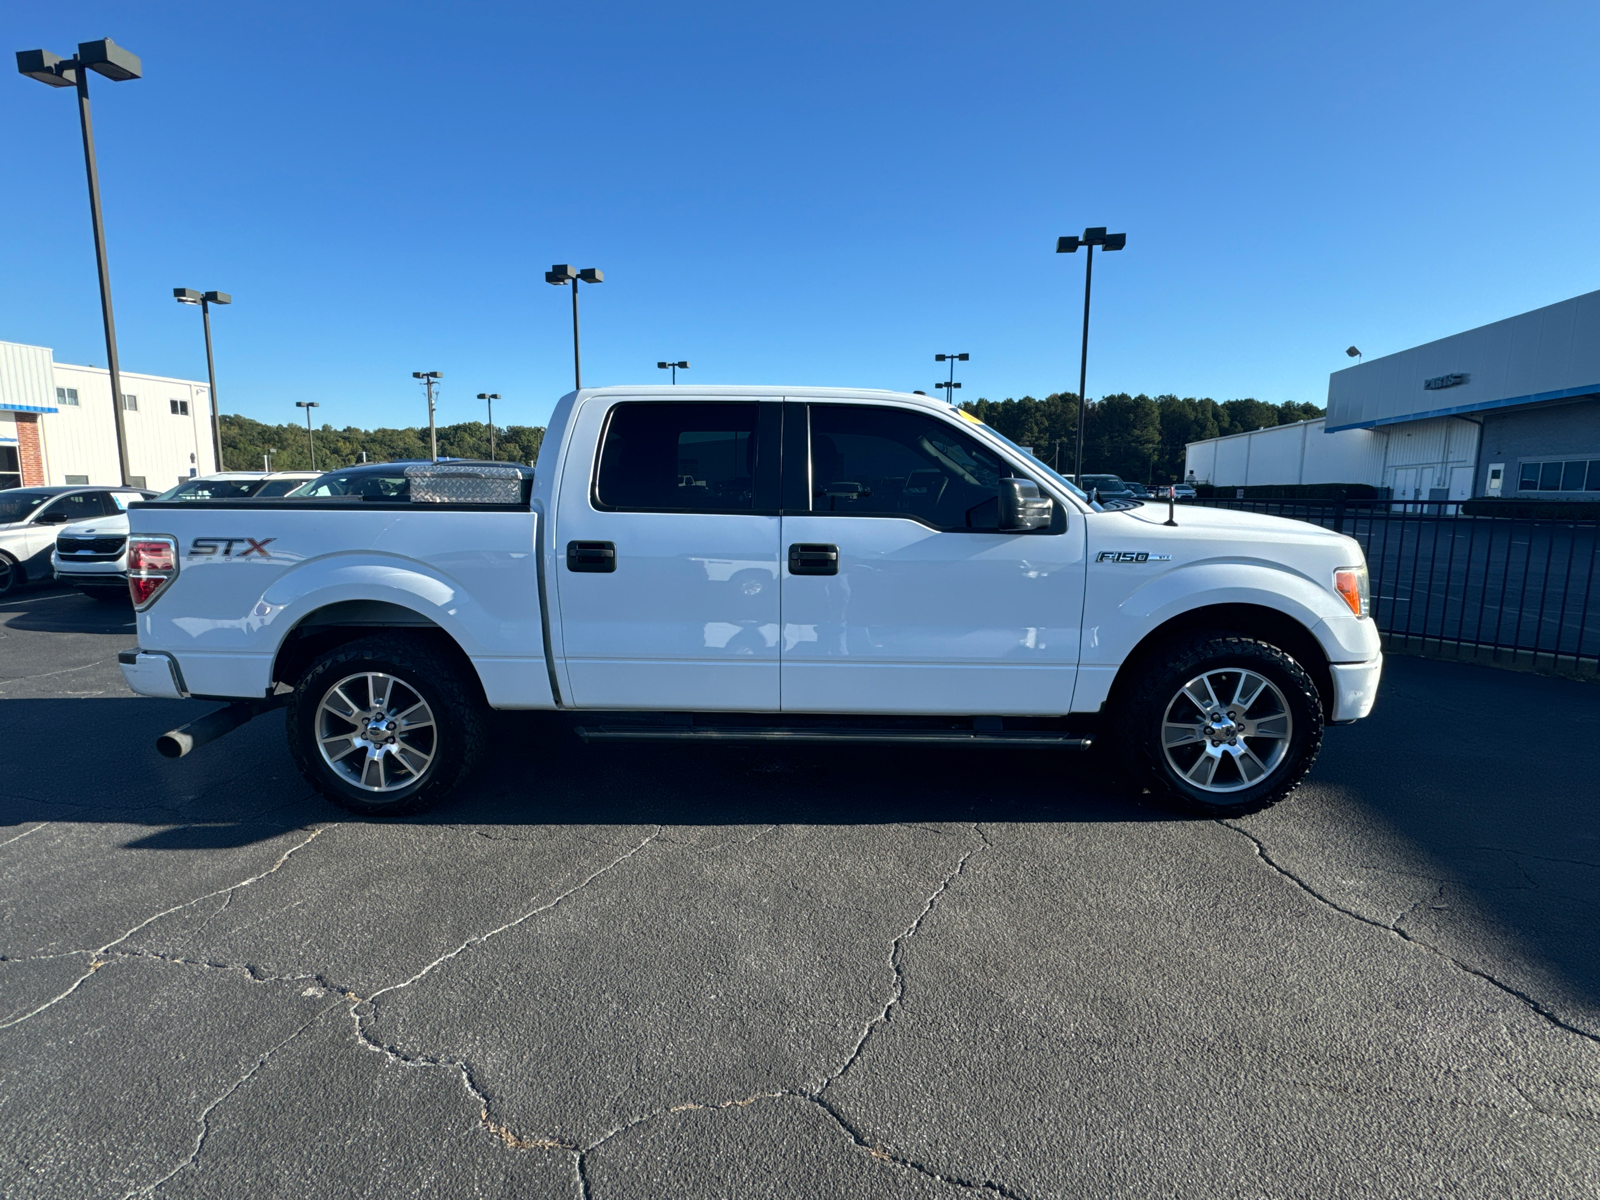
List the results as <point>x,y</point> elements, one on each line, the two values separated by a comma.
<point>152,674</point>
<point>1355,687</point>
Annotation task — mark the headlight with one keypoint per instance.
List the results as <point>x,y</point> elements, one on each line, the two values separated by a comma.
<point>1354,589</point>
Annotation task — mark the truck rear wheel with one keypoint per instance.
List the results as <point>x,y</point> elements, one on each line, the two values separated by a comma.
<point>1221,725</point>
<point>386,725</point>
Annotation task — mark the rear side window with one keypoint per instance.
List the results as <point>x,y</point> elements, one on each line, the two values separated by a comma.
<point>671,457</point>
<point>882,462</point>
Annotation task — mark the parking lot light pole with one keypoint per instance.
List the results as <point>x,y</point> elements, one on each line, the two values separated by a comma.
<point>560,275</point>
<point>308,405</point>
<point>205,300</point>
<point>491,397</point>
<point>950,385</point>
<point>428,378</point>
<point>1096,236</point>
<point>676,367</point>
<point>117,65</point>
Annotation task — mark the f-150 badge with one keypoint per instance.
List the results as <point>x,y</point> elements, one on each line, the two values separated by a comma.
<point>1130,556</point>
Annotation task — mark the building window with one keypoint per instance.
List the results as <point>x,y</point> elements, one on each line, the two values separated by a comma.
<point>80,480</point>
<point>1568,475</point>
<point>180,408</point>
<point>130,402</point>
<point>10,470</point>
<point>67,397</point>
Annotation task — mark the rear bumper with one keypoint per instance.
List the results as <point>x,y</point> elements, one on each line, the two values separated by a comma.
<point>1355,687</point>
<point>112,581</point>
<point>152,674</point>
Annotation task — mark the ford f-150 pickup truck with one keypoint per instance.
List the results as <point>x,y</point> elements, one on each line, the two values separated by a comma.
<point>784,564</point>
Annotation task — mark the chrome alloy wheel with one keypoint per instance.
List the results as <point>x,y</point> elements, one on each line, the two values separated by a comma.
<point>376,732</point>
<point>1226,730</point>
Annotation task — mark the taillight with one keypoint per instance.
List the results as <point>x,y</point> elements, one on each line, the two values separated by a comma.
<point>1353,588</point>
<point>152,564</point>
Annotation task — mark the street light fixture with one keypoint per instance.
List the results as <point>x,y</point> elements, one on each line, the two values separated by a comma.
<point>1353,352</point>
<point>676,367</point>
<point>117,65</point>
<point>1096,236</point>
<point>308,405</point>
<point>491,397</point>
<point>428,378</point>
<point>950,385</point>
<point>560,275</point>
<point>205,300</point>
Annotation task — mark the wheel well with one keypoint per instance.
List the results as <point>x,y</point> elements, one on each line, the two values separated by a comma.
<point>336,624</point>
<point>1249,620</point>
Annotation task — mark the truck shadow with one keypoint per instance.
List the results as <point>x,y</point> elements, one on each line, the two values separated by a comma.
<point>49,608</point>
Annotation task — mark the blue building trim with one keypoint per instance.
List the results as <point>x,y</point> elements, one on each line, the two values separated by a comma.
<point>1483,405</point>
<point>7,406</point>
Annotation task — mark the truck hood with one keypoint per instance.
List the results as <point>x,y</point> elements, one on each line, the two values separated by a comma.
<point>1231,521</point>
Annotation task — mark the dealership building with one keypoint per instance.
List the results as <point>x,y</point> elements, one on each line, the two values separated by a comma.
<point>57,425</point>
<point>1510,409</point>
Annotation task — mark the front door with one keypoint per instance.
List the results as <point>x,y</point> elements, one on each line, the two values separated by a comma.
<point>667,555</point>
<point>926,607</point>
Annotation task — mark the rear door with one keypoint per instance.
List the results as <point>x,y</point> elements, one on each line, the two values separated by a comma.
<point>667,555</point>
<point>926,607</point>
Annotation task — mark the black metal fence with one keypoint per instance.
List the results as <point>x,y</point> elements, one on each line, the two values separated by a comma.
<point>1505,588</point>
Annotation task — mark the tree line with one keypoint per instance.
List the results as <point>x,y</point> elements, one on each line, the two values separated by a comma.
<point>1137,437</point>
<point>244,442</point>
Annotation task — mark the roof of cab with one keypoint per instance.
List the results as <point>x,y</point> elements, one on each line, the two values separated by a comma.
<point>687,391</point>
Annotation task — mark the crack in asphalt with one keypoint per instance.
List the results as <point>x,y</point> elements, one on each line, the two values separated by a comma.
<point>1395,930</point>
<point>515,1141</point>
<point>204,1118</point>
<point>111,945</point>
<point>5,683</point>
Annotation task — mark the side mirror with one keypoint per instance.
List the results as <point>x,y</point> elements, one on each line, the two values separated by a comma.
<point>1022,508</point>
<point>51,517</point>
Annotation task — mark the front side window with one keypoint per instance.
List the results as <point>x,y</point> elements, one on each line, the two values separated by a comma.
<point>881,462</point>
<point>671,457</point>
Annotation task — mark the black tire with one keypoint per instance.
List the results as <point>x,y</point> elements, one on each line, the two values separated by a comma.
<point>11,575</point>
<point>1140,726</point>
<point>442,681</point>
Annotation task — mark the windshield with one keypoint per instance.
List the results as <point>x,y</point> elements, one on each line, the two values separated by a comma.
<point>212,489</point>
<point>1048,470</point>
<point>364,485</point>
<point>278,487</point>
<point>17,504</point>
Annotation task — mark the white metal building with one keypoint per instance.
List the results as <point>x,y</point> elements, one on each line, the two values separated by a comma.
<point>57,426</point>
<point>1507,409</point>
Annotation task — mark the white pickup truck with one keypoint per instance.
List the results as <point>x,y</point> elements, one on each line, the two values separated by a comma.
<point>784,564</point>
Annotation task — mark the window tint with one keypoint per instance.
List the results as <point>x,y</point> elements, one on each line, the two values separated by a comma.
<point>364,485</point>
<point>278,487</point>
<point>74,506</point>
<point>872,461</point>
<point>679,457</point>
<point>212,489</point>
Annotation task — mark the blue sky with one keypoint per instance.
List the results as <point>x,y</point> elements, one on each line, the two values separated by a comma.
<point>810,194</point>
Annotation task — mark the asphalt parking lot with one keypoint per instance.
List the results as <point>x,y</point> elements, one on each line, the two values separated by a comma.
<point>659,972</point>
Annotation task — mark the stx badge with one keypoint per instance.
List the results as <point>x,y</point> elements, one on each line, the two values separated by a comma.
<point>205,547</point>
<point>1130,556</point>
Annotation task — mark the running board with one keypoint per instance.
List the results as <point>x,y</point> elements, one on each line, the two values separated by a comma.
<point>913,737</point>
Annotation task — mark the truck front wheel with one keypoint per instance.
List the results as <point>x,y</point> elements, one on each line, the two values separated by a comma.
<point>1221,725</point>
<point>386,725</point>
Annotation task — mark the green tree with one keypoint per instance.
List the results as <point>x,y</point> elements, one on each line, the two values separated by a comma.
<point>245,442</point>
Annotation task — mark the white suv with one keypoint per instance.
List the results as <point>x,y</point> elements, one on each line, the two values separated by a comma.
<point>31,516</point>
<point>92,555</point>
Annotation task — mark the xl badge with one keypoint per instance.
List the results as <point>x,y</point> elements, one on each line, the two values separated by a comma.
<point>1130,556</point>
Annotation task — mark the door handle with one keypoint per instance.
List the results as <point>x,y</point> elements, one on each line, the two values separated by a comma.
<point>597,557</point>
<point>813,558</point>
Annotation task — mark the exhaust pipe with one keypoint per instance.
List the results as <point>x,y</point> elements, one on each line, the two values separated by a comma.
<point>175,743</point>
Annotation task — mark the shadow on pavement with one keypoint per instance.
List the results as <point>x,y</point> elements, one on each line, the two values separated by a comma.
<point>65,610</point>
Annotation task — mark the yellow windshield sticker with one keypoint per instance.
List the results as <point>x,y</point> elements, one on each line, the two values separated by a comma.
<point>961,412</point>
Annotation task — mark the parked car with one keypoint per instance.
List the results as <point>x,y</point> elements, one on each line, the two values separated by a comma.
<point>1138,490</point>
<point>773,564</point>
<point>1107,487</point>
<point>92,555</point>
<point>31,516</point>
<point>1184,491</point>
